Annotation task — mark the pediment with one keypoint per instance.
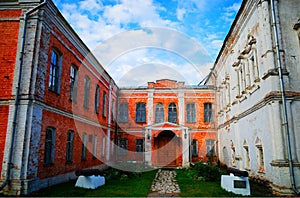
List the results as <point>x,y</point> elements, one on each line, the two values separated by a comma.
<point>166,125</point>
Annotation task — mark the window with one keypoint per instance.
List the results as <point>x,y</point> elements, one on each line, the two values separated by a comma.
<point>113,109</point>
<point>210,148</point>
<point>104,104</point>
<point>159,113</point>
<point>190,113</point>
<point>73,83</point>
<point>54,72</point>
<point>247,157</point>
<point>123,146</point>
<point>140,112</point>
<point>208,112</point>
<point>172,113</point>
<point>123,113</point>
<point>194,148</point>
<point>233,156</point>
<point>103,147</point>
<point>49,146</point>
<point>139,145</point>
<point>95,146</point>
<point>260,154</point>
<point>83,148</point>
<point>86,92</point>
<point>97,94</point>
<point>70,146</point>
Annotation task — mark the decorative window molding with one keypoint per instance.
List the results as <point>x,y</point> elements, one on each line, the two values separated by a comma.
<point>246,155</point>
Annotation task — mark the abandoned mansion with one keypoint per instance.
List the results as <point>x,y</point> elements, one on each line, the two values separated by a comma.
<point>61,111</point>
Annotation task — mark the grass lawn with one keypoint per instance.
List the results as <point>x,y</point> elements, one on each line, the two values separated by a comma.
<point>137,186</point>
<point>196,188</point>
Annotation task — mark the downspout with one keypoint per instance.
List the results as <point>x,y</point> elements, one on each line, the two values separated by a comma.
<point>283,97</point>
<point>9,163</point>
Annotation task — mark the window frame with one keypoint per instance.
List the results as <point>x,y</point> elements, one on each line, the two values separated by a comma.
<point>49,146</point>
<point>208,112</point>
<point>210,145</point>
<point>159,113</point>
<point>55,71</point>
<point>123,146</point>
<point>123,112</point>
<point>172,112</point>
<point>140,112</point>
<point>87,85</point>
<point>104,104</point>
<point>190,112</point>
<point>83,146</point>
<point>97,99</point>
<point>73,82</point>
<point>70,146</point>
<point>139,146</point>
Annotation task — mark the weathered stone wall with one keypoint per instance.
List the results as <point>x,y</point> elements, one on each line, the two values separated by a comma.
<point>251,133</point>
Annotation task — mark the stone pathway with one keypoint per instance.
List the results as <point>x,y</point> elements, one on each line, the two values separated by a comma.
<point>165,184</point>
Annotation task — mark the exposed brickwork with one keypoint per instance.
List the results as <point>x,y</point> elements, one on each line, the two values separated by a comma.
<point>8,49</point>
<point>3,127</point>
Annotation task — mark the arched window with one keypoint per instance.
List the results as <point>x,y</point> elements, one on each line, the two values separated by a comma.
<point>159,113</point>
<point>172,113</point>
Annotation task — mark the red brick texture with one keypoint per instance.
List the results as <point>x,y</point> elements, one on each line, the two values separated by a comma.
<point>8,48</point>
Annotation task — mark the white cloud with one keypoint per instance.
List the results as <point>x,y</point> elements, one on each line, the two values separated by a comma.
<point>180,12</point>
<point>230,12</point>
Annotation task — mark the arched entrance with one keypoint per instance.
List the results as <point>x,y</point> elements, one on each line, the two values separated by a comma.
<point>166,146</point>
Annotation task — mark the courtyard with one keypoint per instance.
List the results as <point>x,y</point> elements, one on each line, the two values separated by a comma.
<point>154,183</point>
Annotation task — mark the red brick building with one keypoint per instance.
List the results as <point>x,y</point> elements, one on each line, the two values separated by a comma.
<point>172,123</point>
<point>56,100</point>
<point>58,107</point>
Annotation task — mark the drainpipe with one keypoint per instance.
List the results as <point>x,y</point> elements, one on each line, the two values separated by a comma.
<point>283,97</point>
<point>9,163</point>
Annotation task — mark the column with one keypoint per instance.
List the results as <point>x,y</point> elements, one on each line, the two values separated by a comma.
<point>185,147</point>
<point>150,107</point>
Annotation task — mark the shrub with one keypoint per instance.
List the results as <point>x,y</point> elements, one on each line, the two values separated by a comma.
<point>209,173</point>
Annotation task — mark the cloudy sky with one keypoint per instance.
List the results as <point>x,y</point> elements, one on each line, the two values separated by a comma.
<point>144,40</point>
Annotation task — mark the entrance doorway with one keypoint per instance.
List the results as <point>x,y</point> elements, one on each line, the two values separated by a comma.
<point>166,145</point>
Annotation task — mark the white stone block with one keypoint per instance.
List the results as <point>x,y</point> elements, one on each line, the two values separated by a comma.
<point>90,182</point>
<point>237,185</point>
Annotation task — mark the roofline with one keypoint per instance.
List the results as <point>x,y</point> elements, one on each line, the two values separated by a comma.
<point>227,37</point>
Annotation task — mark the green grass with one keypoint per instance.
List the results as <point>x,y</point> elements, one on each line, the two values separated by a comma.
<point>196,188</point>
<point>137,186</point>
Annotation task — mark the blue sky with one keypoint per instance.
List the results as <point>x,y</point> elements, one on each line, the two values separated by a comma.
<point>138,41</point>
